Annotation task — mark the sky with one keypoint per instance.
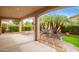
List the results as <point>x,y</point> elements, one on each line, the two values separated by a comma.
<point>28,20</point>
<point>69,11</point>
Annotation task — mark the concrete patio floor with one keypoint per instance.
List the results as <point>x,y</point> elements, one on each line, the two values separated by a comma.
<point>22,43</point>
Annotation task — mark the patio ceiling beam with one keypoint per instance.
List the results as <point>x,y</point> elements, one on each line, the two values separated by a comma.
<point>37,12</point>
<point>9,18</point>
<point>44,10</point>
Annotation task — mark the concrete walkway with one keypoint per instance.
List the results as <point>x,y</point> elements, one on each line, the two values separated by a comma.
<point>22,43</point>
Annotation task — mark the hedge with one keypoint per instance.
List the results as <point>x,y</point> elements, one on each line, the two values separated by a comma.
<point>27,28</point>
<point>71,29</point>
<point>15,28</point>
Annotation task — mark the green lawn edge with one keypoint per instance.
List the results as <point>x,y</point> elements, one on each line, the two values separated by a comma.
<point>73,39</point>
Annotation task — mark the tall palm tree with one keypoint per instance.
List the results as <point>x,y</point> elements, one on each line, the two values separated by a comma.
<point>54,22</point>
<point>78,20</point>
<point>57,21</point>
<point>44,22</point>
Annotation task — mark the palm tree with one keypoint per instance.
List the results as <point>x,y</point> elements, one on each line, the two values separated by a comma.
<point>78,20</point>
<point>44,22</point>
<point>54,22</point>
<point>57,21</point>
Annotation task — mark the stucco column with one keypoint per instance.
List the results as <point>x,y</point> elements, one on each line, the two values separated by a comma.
<point>0,27</point>
<point>36,27</point>
<point>20,25</point>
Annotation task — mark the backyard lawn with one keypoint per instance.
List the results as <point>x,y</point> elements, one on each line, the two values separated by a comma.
<point>73,39</point>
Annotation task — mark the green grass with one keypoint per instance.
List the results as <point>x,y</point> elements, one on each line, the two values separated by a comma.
<point>73,39</point>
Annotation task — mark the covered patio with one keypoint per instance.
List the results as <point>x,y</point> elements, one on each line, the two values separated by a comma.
<point>13,42</point>
<point>21,41</point>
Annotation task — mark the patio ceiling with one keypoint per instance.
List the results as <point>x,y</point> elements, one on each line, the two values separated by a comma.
<point>20,12</point>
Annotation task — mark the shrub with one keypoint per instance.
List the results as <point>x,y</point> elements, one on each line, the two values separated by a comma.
<point>27,28</point>
<point>4,28</point>
<point>13,28</point>
<point>71,29</point>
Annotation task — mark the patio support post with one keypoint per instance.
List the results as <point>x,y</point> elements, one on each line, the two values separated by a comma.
<point>37,28</point>
<point>20,26</point>
<point>0,27</point>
